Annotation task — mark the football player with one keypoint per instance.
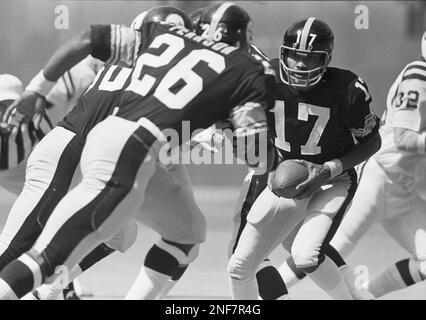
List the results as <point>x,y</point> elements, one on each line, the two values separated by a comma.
<point>319,111</point>
<point>389,189</point>
<point>169,209</point>
<point>121,152</point>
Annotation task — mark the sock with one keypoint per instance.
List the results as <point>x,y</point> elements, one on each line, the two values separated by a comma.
<point>357,289</point>
<point>271,285</point>
<point>147,285</point>
<point>180,270</point>
<point>290,273</point>
<point>400,275</point>
<point>6,292</point>
<point>244,289</point>
<point>329,279</point>
<point>161,264</point>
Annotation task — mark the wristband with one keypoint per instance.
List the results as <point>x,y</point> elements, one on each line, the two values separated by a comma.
<point>335,167</point>
<point>40,84</point>
<point>421,143</point>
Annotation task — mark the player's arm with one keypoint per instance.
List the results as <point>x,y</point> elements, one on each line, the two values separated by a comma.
<point>409,120</point>
<point>109,43</point>
<point>249,121</point>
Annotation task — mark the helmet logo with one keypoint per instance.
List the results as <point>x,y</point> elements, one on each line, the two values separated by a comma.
<point>175,19</point>
<point>217,35</point>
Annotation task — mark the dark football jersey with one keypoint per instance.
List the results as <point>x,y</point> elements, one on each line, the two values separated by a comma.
<point>170,76</point>
<point>322,123</point>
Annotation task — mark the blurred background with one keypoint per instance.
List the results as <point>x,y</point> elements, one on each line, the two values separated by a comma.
<point>29,34</point>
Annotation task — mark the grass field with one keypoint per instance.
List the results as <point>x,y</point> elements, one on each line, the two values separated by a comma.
<point>206,278</point>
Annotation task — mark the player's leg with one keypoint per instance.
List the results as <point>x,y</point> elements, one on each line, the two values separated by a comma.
<point>111,163</point>
<point>288,270</point>
<point>366,207</point>
<point>270,283</point>
<point>410,232</point>
<point>170,210</point>
<point>324,211</point>
<point>50,168</point>
<point>122,241</point>
<point>269,221</point>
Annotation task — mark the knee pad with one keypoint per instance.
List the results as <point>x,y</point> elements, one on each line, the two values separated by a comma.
<point>165,258</point>
<point>125,238</point>
<point>193,253</point>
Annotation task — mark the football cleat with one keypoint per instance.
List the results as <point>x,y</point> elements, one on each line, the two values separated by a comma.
<point>306,37</point>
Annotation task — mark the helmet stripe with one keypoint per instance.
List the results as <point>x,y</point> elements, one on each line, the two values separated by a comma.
<point>217,16</point>
<point>305,33</point>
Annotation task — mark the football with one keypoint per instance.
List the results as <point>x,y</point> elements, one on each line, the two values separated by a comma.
<point>288,175</point>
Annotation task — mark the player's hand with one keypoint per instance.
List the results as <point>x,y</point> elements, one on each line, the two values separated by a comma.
<point>30,104</point>
<point>318,175</point>
<point>208,139</point>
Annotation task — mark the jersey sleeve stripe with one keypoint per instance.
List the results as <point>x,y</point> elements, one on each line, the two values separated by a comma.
<point>126,44</point>
<point>114,35</point>
<point>419,71</point>
<point>414,76</point>
<point>416,66</point>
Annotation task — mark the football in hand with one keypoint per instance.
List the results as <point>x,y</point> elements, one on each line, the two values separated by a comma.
<point>286,177</point>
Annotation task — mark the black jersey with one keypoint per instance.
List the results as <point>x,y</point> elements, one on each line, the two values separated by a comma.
<point>170,76</point>
<point>320,124</point>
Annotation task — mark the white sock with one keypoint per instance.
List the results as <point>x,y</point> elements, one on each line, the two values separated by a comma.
<point>288,275</point>
<point>6,292</point>
<point>167,288</point>
<point>357,289</point>
<point>244,289</point>
<point>329,279</point>
<point>147,285</point>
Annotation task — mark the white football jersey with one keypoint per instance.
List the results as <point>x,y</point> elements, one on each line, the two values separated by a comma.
<point>406,108</point>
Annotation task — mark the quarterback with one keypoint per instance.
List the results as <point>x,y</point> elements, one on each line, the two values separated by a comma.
<point>324,120</point>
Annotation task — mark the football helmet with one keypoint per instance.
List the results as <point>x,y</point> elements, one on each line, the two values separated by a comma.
<point>424,46</point>
<point>195,17</point>
<point>166,14</point>
<point>227,23</point>
<point>306,37</point>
